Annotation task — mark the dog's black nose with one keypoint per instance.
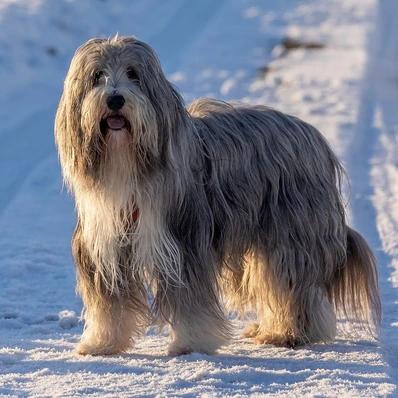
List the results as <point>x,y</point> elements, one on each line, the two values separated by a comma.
<point>115,102</point>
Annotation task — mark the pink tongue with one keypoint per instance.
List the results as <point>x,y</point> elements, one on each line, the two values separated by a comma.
<point>115,122</point>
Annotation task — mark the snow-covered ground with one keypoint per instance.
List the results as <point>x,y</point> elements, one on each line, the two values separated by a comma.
<point>349,90</point>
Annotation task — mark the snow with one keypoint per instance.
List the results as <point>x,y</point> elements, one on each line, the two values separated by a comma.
<point>349,90</point>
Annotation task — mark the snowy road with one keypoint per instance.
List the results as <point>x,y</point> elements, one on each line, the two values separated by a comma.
<point>349,90</point>
<point>384,170</point>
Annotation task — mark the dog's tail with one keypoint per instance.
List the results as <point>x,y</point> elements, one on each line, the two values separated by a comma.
<point>355,289</point>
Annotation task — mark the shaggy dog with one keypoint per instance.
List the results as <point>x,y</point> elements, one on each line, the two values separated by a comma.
<point>181,211</point>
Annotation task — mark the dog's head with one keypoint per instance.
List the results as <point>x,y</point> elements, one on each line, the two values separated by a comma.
<point>116,98</point>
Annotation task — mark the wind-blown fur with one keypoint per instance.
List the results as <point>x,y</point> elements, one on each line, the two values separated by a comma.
<point>230,198</point>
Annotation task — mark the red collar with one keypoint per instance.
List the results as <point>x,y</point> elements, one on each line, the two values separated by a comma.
<point>135,215</point>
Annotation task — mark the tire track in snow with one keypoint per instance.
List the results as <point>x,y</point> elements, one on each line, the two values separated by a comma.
<point>385,171</point>
<point>366,159</point>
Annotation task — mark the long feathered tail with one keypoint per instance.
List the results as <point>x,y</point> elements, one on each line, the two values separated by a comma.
<point>355,289</point>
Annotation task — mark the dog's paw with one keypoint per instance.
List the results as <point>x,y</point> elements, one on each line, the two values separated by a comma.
<point>174,350</point>
<point>251,330</point>
<point>177,348</point>
<point>84,348</point>
<point>286,341</point>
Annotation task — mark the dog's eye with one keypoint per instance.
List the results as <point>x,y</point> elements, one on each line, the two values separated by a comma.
<point>132,74</point>
<point>97,76</point>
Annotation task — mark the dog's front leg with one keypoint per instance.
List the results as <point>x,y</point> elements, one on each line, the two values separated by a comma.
<point>109,328</point>
<point>197,320</point>
<point>111,320</point>
<point>197,332</point>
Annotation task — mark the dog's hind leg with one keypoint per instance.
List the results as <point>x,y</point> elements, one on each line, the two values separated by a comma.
<point>111,321</point>
<point>289,312</point>
<point>297,320</point>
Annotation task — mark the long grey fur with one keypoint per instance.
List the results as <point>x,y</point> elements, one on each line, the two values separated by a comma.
<point>238,205</point>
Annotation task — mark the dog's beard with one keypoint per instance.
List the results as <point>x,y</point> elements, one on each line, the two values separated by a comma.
<point>116,156</point>
<point>106,212</point>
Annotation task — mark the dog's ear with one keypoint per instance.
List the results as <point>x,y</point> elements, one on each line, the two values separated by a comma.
<point>68,133</point>
<point>69,136</point>
<point>65,139</point>
<point>166,101</point>
<point>77,83</point>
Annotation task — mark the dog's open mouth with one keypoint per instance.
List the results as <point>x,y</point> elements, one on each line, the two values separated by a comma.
<point>114,123</point>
